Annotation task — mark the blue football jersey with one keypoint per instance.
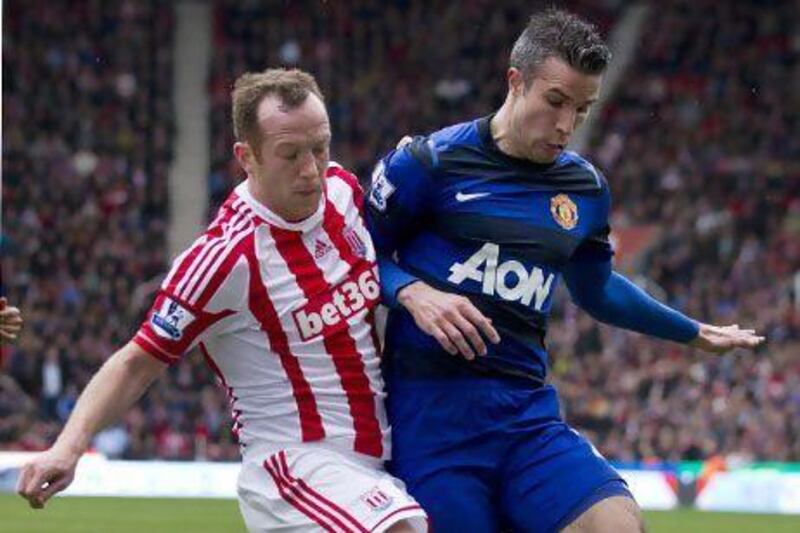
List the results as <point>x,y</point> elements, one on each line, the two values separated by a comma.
<point>457,213</point>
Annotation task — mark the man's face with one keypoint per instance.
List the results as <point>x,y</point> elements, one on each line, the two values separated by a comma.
<point>291,156</point>
<point>546,113</point>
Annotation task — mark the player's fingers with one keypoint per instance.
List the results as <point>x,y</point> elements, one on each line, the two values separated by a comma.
<point>754,340</point>
<point>471,333</point>
<point>458,339</point>
<point>480,321</point>
<point>22,481</point>
<point>44,485</point>
<point>55,486</point>
<point>3,302</point>
<point>442,338</point>
<point>35,501</point>
<point>34,483</point>
<point>32,487</point>
<point>429,326</point>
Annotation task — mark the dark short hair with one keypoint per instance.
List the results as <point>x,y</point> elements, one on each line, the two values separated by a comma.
<point>290,86</point>
<point>557,33</point>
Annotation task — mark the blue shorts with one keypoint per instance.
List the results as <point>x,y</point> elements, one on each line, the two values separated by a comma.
<point>480,455</point>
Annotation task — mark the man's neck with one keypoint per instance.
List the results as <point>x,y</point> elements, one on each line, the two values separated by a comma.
<point>260,196</point>
<point>501,129</point>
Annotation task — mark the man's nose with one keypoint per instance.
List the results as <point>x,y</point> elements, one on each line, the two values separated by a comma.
<point>566,123</point>
<point>308,166</point>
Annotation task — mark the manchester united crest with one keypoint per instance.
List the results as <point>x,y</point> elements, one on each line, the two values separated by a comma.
<point>564,211</point>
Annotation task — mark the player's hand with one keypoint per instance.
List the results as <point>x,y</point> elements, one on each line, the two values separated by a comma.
<point>10,321</point>
<point>720,339</point>
<point>48,473</point>
<point>450,318</point>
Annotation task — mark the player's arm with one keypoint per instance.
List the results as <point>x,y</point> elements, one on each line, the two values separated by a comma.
<point>611,298</point>
<point>398,201</point>
<point>118,384</point>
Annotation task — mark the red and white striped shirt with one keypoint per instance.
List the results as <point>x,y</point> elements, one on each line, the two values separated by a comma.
<point>283,313</point>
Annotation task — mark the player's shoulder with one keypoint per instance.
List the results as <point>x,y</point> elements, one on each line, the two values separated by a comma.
<point>234,217</point>
<point>215,255</point>
<point>575,171</point>
<point>343,186</point>
<point>463,133</point>
<point>337,171</point>
<point>427,150</point>
<point>229,230</point>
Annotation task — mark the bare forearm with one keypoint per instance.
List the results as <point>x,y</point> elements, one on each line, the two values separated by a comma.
<point>118,384</point>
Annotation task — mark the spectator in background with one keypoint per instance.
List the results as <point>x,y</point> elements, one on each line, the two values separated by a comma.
<point>52,383</point>
<point>10,321</point>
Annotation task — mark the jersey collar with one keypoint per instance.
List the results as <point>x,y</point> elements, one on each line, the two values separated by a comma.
<point>272,218</point>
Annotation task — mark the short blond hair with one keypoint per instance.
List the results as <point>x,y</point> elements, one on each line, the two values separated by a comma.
<point>290,86</point>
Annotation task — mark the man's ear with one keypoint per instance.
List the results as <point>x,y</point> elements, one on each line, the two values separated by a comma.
<point>516,82</point>
<point>244,155</point>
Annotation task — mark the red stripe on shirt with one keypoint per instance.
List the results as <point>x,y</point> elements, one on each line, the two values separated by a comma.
<point>262,308</point>
<point>225,268</point>
<point>237,226</point>
<point>334,225</point>
<point>340,345</point>
<point>190,263</point>
<point>206,260</point>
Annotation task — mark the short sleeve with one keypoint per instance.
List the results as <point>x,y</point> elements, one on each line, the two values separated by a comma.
<point>186,310</point>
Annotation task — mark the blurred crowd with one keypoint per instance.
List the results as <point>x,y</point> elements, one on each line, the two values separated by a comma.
<point>387,69</point>
<point>697,143</point>
<point>700,146</point>
<point>87,144</point>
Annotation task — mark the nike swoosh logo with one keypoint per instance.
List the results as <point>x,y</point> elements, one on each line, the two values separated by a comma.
<point>461,197</point>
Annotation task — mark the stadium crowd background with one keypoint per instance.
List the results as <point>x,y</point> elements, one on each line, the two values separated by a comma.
<point>698,142</point>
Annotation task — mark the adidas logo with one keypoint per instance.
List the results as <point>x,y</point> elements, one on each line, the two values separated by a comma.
<point>320,249</point>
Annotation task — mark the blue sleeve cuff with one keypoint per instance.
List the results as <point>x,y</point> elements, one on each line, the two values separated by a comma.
<point>393,278</point>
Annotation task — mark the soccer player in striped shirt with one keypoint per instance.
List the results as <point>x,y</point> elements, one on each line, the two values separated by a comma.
<point>278,294</point>
<point>507,212</point>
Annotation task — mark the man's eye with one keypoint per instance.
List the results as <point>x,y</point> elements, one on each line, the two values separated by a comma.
<point>556,103</point>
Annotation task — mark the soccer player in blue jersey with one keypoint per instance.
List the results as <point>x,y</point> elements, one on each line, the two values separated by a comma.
<point>475,225</point>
